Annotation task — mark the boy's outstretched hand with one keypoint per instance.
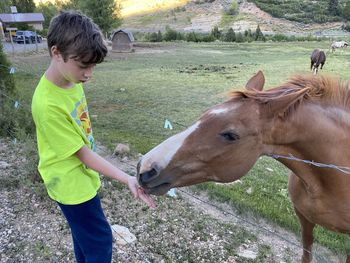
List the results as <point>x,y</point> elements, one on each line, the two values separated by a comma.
<point>138,192</point>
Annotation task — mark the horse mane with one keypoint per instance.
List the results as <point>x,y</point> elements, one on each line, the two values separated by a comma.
<point>326,90</point>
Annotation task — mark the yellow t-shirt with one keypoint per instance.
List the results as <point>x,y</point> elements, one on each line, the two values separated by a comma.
<point>62,127</point>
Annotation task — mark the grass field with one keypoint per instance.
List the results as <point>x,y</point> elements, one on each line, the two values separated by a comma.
<point>131,95</point>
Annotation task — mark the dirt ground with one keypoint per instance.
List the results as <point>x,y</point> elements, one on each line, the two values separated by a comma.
<point>185,228</point>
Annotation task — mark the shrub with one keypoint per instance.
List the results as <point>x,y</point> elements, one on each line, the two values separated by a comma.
<point>258,34</point>
<point>239,37</point>
<point>230,35</point>
<point>207,38</point>
<point>279,38</point>
<point>170,34</point>
<point>152,37</point>
<point>305,11</point>
<point>346,27</point>
<point>15,118</point>
<point>216,33</point>
<point>191,37</point>
<point>233,10</point>
<point>7,93</point>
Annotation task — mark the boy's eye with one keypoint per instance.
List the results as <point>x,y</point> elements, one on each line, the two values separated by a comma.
<point>85,66</point>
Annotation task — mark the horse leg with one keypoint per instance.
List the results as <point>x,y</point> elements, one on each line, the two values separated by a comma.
<point>307,237</point>
<point>348,259</point>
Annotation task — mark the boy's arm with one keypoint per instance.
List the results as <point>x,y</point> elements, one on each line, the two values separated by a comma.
<point>99,164</point>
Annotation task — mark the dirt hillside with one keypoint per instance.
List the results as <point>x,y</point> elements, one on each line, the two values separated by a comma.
<point>203,17</point>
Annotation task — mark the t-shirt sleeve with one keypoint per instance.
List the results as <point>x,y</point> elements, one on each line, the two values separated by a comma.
<point>61,136</point>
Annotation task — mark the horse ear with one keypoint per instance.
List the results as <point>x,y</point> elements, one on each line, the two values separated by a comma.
<point>280,105</point>
<point>256,82</point>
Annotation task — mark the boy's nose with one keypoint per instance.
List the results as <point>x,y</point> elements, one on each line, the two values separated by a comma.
<point>88,73</point>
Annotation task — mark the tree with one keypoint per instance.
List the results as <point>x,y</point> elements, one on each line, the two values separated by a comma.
<point>215,32</point>
<point>49,10</point>
<point>170,34</point>
<point>230,35</point>
<point>346,10</point>
<point>105,13</point>
<point>67,5</point>
<point>191,37</point>
<point>180,36</point>
<point>152,37</point>
<point>239,37</point>
<point>24,6</point>
<point>333,7</point>
<point>159,36</point>
<point>5,6</point>
<point>258,34</point>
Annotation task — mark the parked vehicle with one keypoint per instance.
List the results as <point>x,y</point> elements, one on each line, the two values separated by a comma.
<point>28,36</point>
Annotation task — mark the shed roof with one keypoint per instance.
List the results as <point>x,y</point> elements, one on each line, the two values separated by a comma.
<point>22,17</point>
<point>129,33</point>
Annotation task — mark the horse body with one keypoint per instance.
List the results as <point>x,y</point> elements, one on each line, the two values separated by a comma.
<point>338,44</point>
<point>318,58</point>
<point>308,118</point>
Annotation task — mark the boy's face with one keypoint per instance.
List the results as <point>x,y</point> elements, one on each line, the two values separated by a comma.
<point>72,70</point>
<point>76,71</point>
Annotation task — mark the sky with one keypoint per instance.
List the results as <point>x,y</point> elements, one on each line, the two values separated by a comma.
<point>134,7</point>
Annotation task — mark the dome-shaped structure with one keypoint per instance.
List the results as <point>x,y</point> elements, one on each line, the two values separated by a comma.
<point>122,41</point>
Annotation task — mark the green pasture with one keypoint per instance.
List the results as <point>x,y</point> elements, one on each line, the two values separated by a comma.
<point>131,95</point>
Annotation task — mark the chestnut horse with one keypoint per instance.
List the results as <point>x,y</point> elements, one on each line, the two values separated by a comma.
<point>318,58</point>
<point>307,117</point>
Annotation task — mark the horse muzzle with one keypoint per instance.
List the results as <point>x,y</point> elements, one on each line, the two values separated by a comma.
<point>151,181</point>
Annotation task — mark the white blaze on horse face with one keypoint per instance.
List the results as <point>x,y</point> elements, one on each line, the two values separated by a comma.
<point>221,109</point>
<point>164,152</point>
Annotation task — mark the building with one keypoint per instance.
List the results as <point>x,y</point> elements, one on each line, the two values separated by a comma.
<point>32,19</point>
<point>122,41</point>
<point>6,20</point>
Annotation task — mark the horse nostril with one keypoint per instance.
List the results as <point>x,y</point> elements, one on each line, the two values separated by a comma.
<point>147,176</point>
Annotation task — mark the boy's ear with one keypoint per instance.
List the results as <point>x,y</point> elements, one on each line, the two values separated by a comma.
<point>55,52</point>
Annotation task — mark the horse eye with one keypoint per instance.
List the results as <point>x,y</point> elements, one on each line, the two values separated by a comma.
<point>230,136</point>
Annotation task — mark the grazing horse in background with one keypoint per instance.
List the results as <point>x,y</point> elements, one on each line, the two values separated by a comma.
<point>338,44</point>
<point>318,58</point>
<point>307,118</point>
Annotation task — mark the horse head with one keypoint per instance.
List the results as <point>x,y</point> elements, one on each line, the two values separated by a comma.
<point>222,145</point>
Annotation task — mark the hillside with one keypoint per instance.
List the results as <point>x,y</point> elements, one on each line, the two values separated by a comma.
<point>202,16</point>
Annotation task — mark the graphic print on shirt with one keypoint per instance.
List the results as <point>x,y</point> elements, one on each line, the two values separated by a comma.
<point>81,116</point>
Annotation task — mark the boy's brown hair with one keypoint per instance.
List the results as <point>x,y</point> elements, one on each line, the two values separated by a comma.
<point>76,36</point>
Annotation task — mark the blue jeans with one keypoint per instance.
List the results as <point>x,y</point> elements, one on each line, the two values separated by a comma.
<point>92,234</point>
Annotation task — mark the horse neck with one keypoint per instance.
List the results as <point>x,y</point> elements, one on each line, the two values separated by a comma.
<point>313,133</point>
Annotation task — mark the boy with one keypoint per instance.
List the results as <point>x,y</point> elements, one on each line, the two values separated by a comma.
<point>68,164</point>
